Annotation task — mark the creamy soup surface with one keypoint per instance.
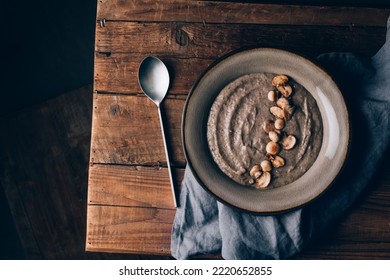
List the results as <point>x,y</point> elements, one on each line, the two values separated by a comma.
<point>237,139</point>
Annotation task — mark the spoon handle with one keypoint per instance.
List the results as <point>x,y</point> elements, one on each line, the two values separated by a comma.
<point>167,158</point>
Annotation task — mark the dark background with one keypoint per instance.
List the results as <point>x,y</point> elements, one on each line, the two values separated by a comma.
<point>46,50</point>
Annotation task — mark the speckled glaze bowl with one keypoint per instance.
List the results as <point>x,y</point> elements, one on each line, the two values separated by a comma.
<point>335,142</point>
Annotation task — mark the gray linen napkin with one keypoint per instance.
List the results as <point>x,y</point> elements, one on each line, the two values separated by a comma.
<point>203,225</point>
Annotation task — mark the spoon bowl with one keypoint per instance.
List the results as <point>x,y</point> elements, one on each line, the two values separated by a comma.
<point>153,79</point>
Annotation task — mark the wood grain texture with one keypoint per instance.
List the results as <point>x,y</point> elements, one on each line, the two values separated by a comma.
<point>126,130</point>
<point>188,49</point>
<point>129,229</point>
<point>138,186</point>
<point>225,12</point>
<point>198,40</point>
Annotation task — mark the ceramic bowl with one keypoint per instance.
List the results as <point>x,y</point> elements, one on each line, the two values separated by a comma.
<point>335,142</point>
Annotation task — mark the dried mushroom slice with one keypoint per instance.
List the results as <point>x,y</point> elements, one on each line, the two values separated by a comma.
<point>274,136</point>
<point>278,112</point>
<point>266,165</point>
<point>257,174</point>
<point>279,80</point>
<point>277,161</point>
<point>264,180</point>
<point>288,142</point>
<point>254,169</point>
<point>285,90</point>
<point>272,95</point>
<point>279,124</point>
<point>268,126</point>
<point>283,102</point>
<point>272,148</point>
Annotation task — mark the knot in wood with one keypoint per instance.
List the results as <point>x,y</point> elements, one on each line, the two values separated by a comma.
<point>181,37</point>
<point>114,110</point>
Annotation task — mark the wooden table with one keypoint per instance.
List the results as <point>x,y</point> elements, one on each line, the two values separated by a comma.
<point>130,207</point>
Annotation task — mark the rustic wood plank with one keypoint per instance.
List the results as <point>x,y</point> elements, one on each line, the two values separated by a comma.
<point>212,40</point>
<point>189,49</point>
<point>138,186</point>
<point>376,227</point>
<point>129,229</point>
<point>225,12</point>
<point>126,130</point>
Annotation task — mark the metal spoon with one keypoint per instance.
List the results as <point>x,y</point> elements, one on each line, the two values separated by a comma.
<point>153,78</point>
